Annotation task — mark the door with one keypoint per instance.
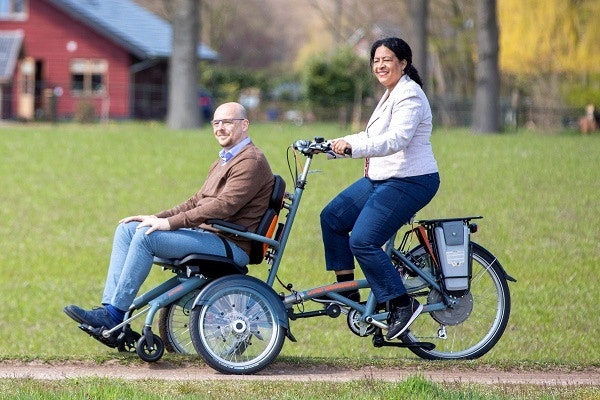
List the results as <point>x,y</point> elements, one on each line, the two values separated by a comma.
<point>26,90</point>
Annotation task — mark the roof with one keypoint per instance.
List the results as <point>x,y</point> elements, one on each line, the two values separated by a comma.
<point>130,25</point>
<point>10,46</point>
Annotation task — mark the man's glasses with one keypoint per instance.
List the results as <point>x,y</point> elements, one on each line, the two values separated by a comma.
<point>226,122</point>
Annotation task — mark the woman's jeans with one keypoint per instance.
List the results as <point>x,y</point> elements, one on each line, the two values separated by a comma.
<point>373,211</point>
<point>133,253</point>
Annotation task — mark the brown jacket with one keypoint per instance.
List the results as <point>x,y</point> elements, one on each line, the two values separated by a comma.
<point>237,192</point>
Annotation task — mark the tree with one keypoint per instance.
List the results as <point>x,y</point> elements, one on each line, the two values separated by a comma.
<point>336,83</point>
<point>418,11</point>
<point>183,112</point>
<point>551,53</point>
<point>486,106</point>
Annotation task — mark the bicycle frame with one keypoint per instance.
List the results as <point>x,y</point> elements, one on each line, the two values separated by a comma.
<point>332,290</point>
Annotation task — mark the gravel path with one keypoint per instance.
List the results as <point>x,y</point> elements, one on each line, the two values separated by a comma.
<point>282,371</point>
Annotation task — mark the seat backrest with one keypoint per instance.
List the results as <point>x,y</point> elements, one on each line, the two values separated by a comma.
<point>268,222</point>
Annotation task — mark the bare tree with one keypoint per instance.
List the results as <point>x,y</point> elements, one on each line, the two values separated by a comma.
<point>486,106</point>
<point>183,112</point>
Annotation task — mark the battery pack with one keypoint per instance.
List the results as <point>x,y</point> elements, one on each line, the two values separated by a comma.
<point>452,243</point>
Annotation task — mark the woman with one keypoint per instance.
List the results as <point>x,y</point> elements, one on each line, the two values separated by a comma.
<point>400,178</point>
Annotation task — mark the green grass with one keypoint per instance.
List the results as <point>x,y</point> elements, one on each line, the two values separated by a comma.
<point>415,387</point>
<point>64,187</point>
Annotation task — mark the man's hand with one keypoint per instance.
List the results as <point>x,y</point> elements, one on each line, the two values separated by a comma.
<point>138,218</point>
<point>155,224</point>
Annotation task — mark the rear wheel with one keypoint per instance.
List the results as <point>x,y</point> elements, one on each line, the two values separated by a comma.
<point>174,325</point>
<point>236,330</point>
<point>477,321</point>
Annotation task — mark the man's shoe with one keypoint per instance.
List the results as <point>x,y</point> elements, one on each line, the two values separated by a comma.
<point>76,316</point>
<point>95,318</point>
<point>401,318</point>
<point>353,295</point>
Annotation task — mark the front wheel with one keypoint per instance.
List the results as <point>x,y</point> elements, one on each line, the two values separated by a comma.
<point>236,330</point>
<point>150,353</point>
<point>475,324</point>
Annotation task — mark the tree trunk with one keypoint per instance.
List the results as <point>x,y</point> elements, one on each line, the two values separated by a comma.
<point>183,111</point>
<point>486,106</point>
<point>418,11</point>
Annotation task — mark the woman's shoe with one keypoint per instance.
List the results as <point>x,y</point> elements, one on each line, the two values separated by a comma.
<point>401,317</point>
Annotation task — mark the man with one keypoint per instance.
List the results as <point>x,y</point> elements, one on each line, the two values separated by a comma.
<point>237,189</point>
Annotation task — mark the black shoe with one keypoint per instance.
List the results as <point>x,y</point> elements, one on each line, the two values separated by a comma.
<point>353,295</point>
<point>401,317</point>
<point>96,318</point>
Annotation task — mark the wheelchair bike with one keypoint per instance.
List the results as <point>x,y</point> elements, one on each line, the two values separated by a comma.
<point>238,323</point>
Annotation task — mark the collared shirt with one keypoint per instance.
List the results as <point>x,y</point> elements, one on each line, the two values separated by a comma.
<point>227,155</point>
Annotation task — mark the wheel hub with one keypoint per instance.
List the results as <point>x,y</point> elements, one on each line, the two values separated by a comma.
<point>454,315</point>
<point>239,326</point>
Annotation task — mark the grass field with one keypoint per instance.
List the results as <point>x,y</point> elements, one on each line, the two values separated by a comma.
<point>64,187</point>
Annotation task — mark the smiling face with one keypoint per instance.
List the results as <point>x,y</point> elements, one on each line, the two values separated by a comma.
<point>387,68</point>
<point>230,125</point>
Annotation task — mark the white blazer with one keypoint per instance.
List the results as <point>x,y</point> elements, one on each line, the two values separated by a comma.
<point>396,141</point>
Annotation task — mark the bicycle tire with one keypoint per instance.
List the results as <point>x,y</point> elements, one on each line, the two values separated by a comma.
<point>236,330</point>
<point>174,325</point>
<point>472,335</point>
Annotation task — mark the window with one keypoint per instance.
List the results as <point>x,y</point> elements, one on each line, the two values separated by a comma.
<point>88,77</point>
<point>13,10</point>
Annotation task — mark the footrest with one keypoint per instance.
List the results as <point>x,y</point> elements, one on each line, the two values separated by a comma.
<point>111,341</point>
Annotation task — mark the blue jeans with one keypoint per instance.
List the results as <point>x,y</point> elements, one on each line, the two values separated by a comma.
<point>373,211</point>
<point>133,253</point>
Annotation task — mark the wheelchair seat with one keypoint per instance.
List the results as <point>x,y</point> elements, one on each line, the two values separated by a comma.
<point>215,266</point>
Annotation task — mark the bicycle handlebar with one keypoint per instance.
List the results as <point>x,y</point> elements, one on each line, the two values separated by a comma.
<point>318,145</point>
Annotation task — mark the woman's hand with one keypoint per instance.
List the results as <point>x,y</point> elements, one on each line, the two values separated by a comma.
<point>340,146</point>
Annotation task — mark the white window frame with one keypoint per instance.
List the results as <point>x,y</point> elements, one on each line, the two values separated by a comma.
<point>93,77</point>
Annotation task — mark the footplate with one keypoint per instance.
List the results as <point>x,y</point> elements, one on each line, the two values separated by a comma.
<point>124,341</point>
<point>110,341</point>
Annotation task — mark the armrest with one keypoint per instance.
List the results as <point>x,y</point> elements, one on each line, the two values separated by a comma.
<point>219,222</point>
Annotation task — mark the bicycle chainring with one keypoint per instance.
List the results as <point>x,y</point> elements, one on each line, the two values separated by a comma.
<point>358,327</point>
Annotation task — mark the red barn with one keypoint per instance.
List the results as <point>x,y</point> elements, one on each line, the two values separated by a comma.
<point>59,58</point>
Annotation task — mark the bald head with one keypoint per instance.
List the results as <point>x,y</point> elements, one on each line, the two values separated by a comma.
<point>230,124</point>
<point>230,110</point>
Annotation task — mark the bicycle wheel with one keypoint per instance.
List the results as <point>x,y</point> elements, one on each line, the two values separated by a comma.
<point>236,330</point>
<point>475,324</point>
<point>174,325</point>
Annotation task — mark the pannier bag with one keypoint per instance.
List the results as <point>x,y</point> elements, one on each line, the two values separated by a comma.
<point>452,244</point>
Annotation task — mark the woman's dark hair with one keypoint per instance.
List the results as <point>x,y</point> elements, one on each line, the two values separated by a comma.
<point>402,50</point>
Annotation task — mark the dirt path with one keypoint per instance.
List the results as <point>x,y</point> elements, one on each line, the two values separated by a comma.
<point>282,371</point>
